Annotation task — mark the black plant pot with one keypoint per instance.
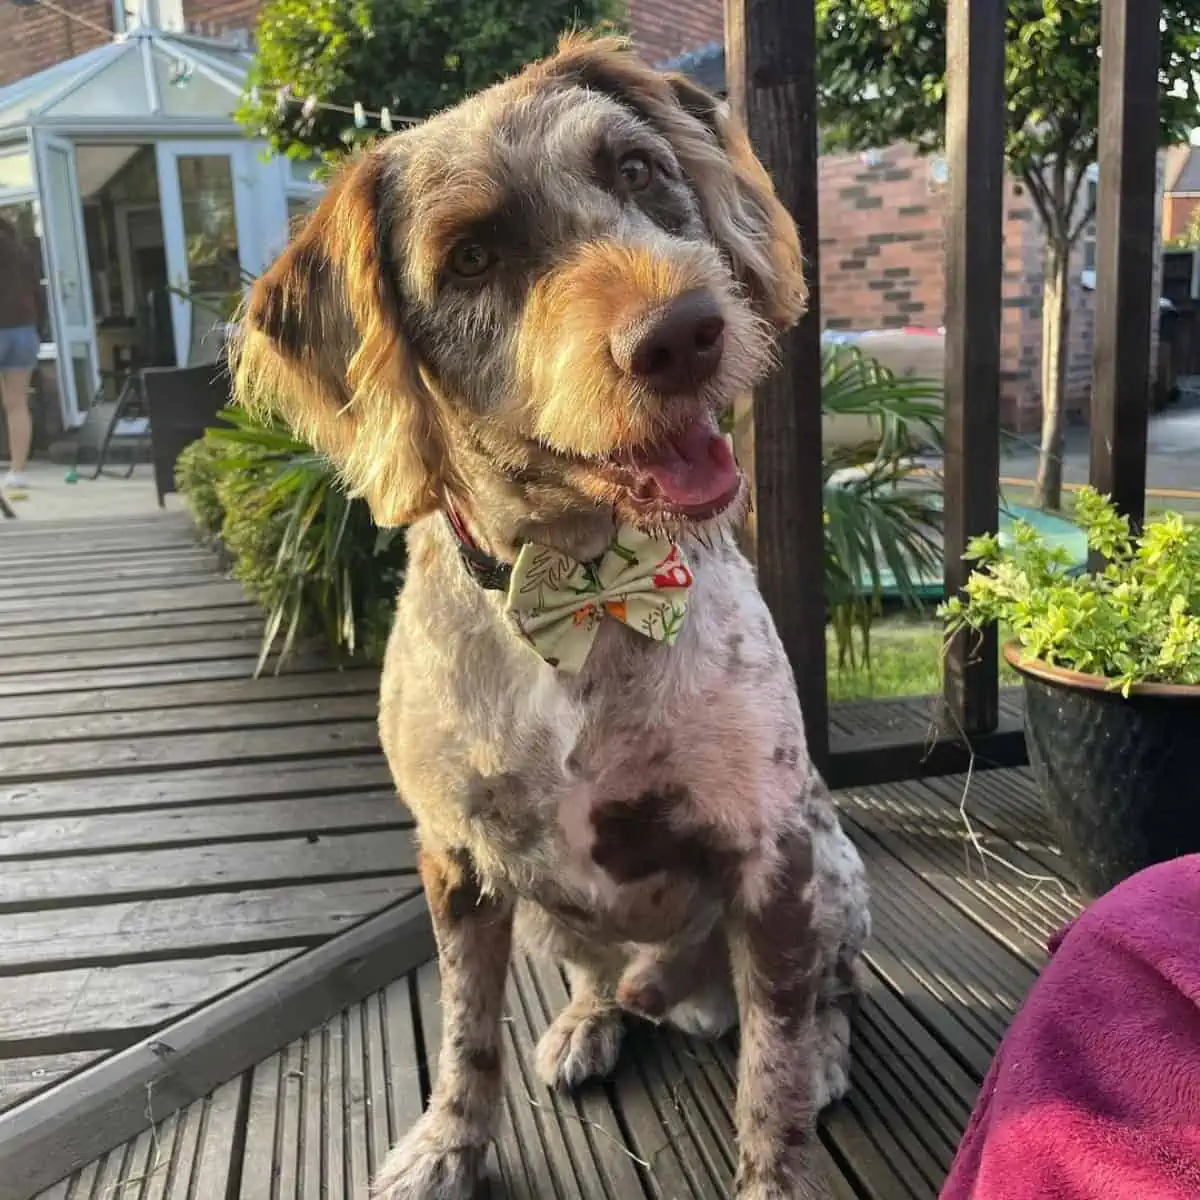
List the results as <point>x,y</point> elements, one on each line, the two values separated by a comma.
<point>1120,777</point>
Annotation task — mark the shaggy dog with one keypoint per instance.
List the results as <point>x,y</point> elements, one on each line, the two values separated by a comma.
<point>513,329</point>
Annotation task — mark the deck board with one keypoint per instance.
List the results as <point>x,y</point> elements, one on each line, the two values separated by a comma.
<point>954,951</point>
<point>170,827</point>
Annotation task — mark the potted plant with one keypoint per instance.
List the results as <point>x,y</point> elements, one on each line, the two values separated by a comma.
<point>1110,662</point>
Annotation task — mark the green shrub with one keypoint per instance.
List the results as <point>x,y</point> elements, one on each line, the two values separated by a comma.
<point>414,56</point>
<point>307,552</point>
<point>1135,621</point>
<point>196,480</point>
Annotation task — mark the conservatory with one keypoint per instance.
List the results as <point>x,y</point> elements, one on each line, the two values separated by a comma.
<point>143,200</point>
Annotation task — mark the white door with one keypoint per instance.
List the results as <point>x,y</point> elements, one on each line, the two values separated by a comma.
<point>209,192</point>
<point>70,279</point>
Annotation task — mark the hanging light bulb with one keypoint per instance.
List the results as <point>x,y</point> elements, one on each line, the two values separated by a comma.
<point>360,116</point>
<point>385,120</point>
<point>281,100</point>
<point>308,111</point>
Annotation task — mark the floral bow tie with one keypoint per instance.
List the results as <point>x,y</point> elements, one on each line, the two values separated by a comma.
<point>558,603</point>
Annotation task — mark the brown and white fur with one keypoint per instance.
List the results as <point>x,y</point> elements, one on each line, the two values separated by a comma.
<point>451,328</point>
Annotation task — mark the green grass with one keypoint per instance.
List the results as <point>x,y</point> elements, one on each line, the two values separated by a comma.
<point>906,652</point>
<point>906,660</point>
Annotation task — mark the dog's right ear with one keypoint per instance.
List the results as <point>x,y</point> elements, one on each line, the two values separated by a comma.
<point>321,344</point>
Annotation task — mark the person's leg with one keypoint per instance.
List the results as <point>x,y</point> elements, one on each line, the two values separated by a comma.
<point>14,387</point>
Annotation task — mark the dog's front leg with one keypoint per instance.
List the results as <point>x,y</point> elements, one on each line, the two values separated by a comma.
<point>442,1157</point>
<point>775,958</point>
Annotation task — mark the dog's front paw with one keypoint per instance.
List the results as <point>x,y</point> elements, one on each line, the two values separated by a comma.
<point>582,1043</point>
<point>431,1163</point>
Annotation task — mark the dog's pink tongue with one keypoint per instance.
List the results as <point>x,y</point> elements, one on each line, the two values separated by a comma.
<point>691,468</point>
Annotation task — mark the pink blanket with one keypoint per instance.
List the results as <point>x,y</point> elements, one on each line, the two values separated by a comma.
<point>1095,1092</point>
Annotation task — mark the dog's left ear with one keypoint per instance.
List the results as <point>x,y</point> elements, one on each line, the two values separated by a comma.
<point>322,345</point>
<point>742,209</point>
<point>738,199</point>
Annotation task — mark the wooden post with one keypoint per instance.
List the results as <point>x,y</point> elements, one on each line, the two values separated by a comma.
<point>975,123</point>
<point>770,64</point>
<point>1126,243</point>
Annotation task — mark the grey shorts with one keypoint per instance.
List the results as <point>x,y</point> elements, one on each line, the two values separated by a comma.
<point>19,346</point>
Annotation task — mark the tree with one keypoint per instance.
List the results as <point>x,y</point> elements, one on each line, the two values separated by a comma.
<point>413,57</point>
<point>882,77</point>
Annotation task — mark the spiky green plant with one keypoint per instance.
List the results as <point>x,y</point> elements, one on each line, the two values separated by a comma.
<point>307,551</point>
<point>882,506</point>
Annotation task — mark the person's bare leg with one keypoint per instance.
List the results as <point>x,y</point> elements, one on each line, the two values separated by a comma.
<point>14,390</point>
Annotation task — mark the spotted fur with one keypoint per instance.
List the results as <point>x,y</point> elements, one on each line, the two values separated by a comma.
<point>654,823</point>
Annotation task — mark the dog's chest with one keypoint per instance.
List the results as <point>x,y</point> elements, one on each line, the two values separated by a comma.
<point>661,757</point>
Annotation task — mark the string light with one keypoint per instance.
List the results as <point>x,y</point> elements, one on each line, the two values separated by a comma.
<point>361,115</point>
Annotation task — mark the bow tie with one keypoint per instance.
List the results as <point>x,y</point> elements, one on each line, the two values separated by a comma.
<point>558,603</point>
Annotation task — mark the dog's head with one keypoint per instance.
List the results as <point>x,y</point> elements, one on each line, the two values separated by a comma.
<point>559,284</point>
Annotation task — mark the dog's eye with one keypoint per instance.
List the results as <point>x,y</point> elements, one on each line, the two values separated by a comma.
<point>470,260</point>
<point>636,172</point>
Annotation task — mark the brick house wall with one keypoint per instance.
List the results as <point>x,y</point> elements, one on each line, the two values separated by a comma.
<point>883,260</point>
<point>662,29</point>
<point>36,37</point>
<point>1179,209</point>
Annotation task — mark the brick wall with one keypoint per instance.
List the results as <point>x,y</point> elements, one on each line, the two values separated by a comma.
<point>662,29</point>
<point>36,38</point>
<point>1178,211</point>
<point>883,261</point>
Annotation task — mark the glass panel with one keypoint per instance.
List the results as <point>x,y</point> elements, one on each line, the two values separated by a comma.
<point>306,170</point>
<point>299,208</point>
<point>23,217</point>
<point>69,255</point>
<point>211,243</point>
<point>119,90</point>
<point>16,170</point>
<point>17,112</point>
<point>188,93</point>
<point>81,369</point>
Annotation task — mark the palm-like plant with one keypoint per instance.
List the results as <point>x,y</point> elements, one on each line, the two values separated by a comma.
<point>310,553</point>
<point>882,506</point>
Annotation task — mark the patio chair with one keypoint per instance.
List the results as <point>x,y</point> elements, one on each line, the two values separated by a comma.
<point>183,403</point>
<point>125,418</point>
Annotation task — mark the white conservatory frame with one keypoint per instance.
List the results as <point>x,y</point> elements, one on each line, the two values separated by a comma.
<point>177,93</point>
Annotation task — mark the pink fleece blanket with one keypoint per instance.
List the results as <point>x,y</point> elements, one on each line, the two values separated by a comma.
<point>1095,1092</point>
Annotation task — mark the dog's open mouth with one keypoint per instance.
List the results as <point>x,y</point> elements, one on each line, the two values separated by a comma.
<point>690,473</point>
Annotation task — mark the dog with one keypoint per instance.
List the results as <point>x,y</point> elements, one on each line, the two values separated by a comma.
<point>513,329</point>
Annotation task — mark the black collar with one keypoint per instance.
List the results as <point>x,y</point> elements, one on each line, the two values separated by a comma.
<point>490,573</point>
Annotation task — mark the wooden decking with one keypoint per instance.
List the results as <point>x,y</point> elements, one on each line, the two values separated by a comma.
<point>197,867</point>
<point>170,829</point>
<point>954,951</point>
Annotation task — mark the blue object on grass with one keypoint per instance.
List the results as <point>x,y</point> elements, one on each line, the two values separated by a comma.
<point>1055,531</point>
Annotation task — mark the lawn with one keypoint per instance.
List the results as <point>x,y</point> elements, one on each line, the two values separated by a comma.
<point>906,660</point>
<point>906,651</point>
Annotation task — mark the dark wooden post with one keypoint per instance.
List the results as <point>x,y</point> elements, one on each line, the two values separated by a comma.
<point>975,121</point>
<point>1126,243</point>
<point>770,64</point>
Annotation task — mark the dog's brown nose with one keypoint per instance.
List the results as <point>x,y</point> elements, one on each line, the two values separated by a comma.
<point>681,347</point>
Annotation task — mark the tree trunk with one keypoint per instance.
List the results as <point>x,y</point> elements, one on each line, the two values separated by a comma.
<point>1056,326</point>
